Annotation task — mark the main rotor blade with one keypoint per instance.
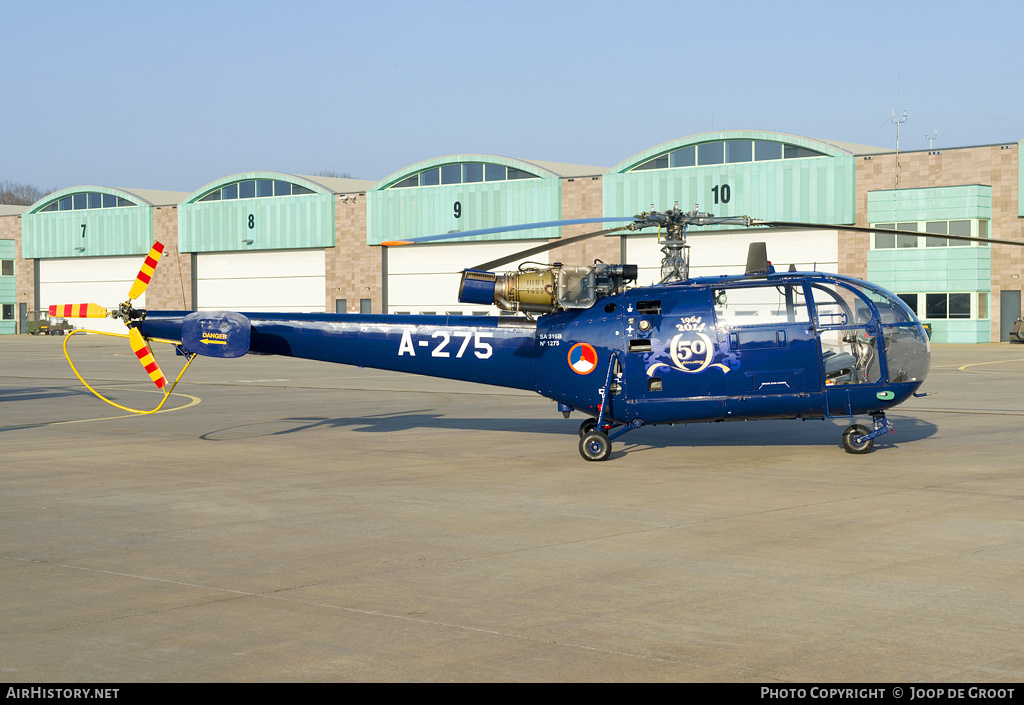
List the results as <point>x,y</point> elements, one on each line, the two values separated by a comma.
<point>502,229</point>
<point>78,311</point>
<point>545,247</point>
<point>867,229</point>
<point>146,272</point>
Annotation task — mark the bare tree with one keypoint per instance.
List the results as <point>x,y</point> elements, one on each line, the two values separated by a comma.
<point>12,194</point>
<point>333,174</point>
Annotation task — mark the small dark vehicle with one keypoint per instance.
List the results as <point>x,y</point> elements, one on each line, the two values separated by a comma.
<point>1017,332</point>
<point>42,323</point>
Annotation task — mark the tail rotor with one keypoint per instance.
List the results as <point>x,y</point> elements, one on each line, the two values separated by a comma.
<point>128,315</point>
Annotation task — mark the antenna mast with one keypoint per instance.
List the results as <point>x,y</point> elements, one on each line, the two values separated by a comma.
<point>898,121</point>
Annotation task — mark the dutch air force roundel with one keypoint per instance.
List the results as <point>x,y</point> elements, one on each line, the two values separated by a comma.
<point>582,358</point>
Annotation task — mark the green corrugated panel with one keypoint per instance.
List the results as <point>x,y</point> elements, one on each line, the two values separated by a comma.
<point>811,190</point>
<point>271,223</point>
<point>940,203</point>
<point>394,214</point>
<point>285,222</point>
<point>108,232</point>
<point>969,268</point>
<point>8,288</point>
<point>932,269</point>
<point>961,331</point>
<point>7,284</point>
<point>882,266</point>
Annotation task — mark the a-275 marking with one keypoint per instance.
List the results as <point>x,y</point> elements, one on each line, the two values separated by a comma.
<point>481,349</point>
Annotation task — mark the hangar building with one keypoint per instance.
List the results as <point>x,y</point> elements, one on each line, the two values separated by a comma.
<point>281,242</point>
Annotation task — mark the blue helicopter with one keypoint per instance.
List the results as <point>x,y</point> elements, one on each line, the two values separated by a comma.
<point>762,345</point>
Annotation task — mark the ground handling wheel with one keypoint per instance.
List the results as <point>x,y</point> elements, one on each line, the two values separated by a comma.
<point>595,446</point>
<point>850,445</point>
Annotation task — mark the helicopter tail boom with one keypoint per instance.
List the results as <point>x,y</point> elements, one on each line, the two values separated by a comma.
<point>487,350</point>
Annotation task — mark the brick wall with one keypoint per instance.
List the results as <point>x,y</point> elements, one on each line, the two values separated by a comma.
<point>583,198</point>
<point>171,287</point>
<point>989,165</point>
<point>353,267</point>
<point>24,270</point>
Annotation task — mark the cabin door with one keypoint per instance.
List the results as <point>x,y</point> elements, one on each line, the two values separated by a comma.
<point>669,359</point>
<point>766,330</point>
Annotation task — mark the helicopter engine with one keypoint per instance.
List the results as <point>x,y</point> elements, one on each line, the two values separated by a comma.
<point>545,289</point>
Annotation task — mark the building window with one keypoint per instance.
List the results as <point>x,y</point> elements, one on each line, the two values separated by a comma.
<point>7,268</point>
<point>766,151</point>
<point>727,152</point>
<point>8,312</point>
<point>463,173</point>
<point>86,200</point>
<point>910,300</point>
<point>948,305</point>
<point>256,188</point>
<point>710,153</point>
<point>739,151</point>
<point>965,228</point>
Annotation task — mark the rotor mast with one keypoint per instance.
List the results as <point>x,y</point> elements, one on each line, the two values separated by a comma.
<point>675,265</point>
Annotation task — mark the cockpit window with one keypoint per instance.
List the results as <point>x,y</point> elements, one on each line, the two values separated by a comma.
<point>838,306</point>
<point>765,304</point>
<point>891,309</point>
<point>849,343</point>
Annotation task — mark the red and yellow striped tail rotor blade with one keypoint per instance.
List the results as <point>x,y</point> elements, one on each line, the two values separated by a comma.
<point>145,356</point>
<point>78,311</point>
<point>146,273</point>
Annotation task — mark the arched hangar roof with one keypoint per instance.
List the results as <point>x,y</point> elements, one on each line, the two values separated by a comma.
<point>524,168</point>
<point>791,144</point>
<point>88,197</point>
<point>273,181</point>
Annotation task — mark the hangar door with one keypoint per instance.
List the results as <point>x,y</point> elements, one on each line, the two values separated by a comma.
<point>269,280</point>
<point>97,280</point>
<point>426,278</point>
<point>713,253</point>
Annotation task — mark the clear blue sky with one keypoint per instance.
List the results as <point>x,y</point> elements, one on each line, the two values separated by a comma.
<point>175,95</point>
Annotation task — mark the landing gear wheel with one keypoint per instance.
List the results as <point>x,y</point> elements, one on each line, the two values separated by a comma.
<point>850,445</point>
<point>595,446</point>
<point>587,426</point>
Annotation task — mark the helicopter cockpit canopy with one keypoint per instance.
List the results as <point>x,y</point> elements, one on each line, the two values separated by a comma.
<point>874,326</point>
<point>866,334</point>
